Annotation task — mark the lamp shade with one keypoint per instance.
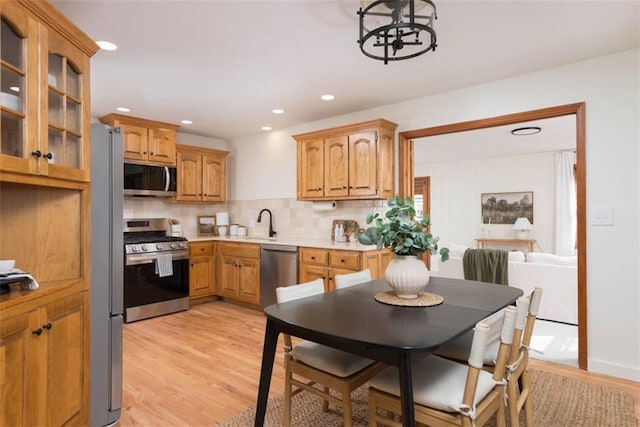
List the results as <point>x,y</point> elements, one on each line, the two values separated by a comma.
<point>522,224</point>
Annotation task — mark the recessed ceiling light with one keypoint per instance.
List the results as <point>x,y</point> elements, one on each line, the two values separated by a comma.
<point>327,97</point>
<point>123,109</point>
<point>266,128</point>
<point>527,130</point>
<point>15,88</point>
<point>277,111</point>
<point>105,45</point>
<point>186,122</point>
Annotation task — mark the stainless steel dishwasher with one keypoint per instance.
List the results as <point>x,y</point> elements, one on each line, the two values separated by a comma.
<point>278,267</point>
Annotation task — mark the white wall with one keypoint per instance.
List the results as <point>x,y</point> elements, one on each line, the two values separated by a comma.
<point>265,167</point>
<point>456,187</point>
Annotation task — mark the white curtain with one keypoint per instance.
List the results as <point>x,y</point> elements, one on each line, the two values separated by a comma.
<point>566,204</point>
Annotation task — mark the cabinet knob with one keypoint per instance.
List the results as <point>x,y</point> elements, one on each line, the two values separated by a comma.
<point>319,188</point>
<point>342,261</point>
<point>144,152</point>
<point>47,326</point>
<point>37,332</point>
<point>313,258</point>
<point>152,153</point>
<point>36,153</point>
<point>344,187</point>
<point>48,156</point>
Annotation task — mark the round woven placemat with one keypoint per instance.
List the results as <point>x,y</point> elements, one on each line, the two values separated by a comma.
<point>424,299</point>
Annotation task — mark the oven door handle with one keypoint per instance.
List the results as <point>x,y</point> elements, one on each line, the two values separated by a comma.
<point>138,259</point>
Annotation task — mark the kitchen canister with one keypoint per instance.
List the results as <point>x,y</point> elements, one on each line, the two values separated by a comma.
<point>222,218</point>
<point>242,230</point>
<point>233,230</point>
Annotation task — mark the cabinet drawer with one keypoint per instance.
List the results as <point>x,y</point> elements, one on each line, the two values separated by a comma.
<point>344,259</point>
<point>314,256</point>
<point>201,248</point>
<point>246,250</point>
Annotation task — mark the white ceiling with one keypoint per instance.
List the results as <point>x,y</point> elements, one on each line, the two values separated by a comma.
<point>226,64</point>
<point>558,134</point>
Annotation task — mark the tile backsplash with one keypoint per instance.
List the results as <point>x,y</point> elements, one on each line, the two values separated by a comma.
<point>291,218</point>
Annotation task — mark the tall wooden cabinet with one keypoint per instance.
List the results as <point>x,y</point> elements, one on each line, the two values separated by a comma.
<point>145,141</point>
<point>347,162</point>
<point>202,174</point>
<point>45,215</point>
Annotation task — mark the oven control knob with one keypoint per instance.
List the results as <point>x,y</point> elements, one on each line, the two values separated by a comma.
<point>181,245</point>
<point>144,248</point>
<point>134,249</point>
<point>159,246</point>
<point>172,245</point>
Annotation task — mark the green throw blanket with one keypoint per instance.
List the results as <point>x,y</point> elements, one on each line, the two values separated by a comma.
<point>486,265</point>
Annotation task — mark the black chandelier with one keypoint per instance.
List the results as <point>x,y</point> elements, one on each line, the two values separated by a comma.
<point>391,30</point>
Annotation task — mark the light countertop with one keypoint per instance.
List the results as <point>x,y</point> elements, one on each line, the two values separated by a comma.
<point>293,241</point>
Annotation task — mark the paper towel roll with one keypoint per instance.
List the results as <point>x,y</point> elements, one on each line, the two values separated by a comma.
<point>324,206</point>
<point>222,218</point>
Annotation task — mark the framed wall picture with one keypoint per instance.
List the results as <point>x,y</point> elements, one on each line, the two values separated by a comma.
<point>505,208</point>
<point>206,225</point>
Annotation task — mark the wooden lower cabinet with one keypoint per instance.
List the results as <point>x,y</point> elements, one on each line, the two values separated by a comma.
<point>317,263</point>
<point>201,270</point>
<point>239,272</point>
<point>44,374</point>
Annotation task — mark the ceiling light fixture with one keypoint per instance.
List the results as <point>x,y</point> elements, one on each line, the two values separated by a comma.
<point>391,30</point>
<point>527,130</point>
<point>266,128</point>
<point>123,109</point>
<point>277,111</point>
<point>105,45</point>
<point>186,122</point>
<point>327,97</point>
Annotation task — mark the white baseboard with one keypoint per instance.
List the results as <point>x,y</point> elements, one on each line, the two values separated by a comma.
<point>606,368</point>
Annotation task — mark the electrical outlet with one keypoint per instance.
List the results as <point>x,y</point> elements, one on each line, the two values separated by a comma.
<point>602,216</point>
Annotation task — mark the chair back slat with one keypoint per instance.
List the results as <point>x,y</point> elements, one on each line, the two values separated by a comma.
<point>294,292</point>
<point>351,279</point>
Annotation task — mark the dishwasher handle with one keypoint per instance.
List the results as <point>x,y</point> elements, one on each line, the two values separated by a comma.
<point>279,248</point>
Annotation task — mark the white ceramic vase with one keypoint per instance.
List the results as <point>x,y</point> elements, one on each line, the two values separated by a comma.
<point>407,276</point>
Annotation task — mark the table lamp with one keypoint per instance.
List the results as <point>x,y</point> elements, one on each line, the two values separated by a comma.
<point>523,226</point>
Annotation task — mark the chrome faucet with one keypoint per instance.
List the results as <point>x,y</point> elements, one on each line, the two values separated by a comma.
<point>271,232</point>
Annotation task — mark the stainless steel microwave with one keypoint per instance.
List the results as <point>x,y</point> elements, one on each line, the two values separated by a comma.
<point>149,180</point>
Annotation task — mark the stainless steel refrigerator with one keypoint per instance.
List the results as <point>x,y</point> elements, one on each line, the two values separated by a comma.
<point>107,274</point>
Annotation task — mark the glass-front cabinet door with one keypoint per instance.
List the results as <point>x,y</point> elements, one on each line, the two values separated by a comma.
<point>44,99</point>
<point>18,98</point>
<point>67,129</point>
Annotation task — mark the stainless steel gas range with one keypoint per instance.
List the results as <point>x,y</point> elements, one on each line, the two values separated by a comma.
<point>156,269</point>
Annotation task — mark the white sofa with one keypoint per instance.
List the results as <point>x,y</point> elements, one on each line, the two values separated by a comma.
<point>557,276</point>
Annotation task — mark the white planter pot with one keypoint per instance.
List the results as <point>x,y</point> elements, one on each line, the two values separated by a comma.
<point>407,276</point>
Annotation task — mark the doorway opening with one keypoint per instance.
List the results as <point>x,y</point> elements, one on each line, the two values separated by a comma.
<point>407,184</point>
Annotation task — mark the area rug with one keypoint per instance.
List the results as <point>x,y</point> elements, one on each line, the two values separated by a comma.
<point>558,401</point>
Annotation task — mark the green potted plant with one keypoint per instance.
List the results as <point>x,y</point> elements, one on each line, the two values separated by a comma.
<point>408,238</point>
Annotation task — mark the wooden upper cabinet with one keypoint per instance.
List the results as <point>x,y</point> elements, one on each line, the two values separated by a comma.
<point>145,141</point>
<point>347,162</point>
<point>311,169</point>
<point>362,164</point>
<point>202,174</point>
<point>336,171</point>
<point>45,126</point>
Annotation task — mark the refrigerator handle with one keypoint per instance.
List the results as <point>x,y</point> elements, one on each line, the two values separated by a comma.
<point>167,178</point>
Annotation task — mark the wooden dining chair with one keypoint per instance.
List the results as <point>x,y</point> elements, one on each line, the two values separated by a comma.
<point>315,364</point>
<point>446,392</point>
<point>351,279</point>
<point>519,386</point>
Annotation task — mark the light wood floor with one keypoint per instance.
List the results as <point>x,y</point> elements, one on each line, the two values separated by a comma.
<point>202,366</point>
